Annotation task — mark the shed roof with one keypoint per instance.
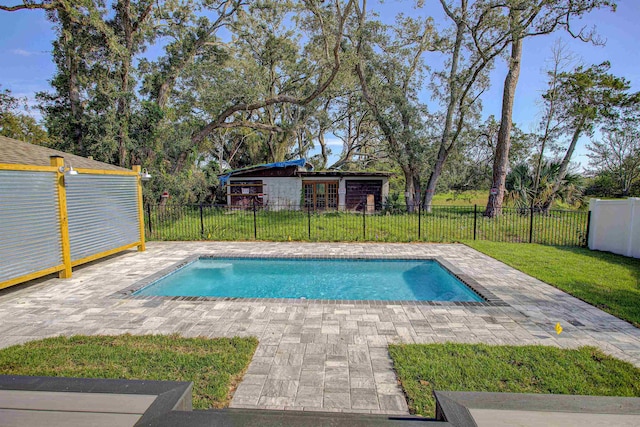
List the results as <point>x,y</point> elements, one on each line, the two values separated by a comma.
<point>300,163</point>
<point>19,152</point>
<point>297,162</point>
<point>345,173</point>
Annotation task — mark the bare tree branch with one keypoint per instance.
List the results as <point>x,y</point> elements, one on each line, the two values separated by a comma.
<point>250,125</point>
<point>29,5</point>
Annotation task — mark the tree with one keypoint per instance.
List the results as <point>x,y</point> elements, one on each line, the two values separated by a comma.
<point>74,24</point>
<point>264,79</point>
<point>17,125</point>
<point>89,110</point>
<point>470,166</point>
<point>301,90</point>
<point>389,86</point>
<point>479,38</point>
<point>131,31</point>
<point>391,70</point>
<point>353,123</point>
<point>618,155</point>
<point>191,29</point>
<point>248,99</point>
<point>552,122</point>
<point>191,35</point>
<point>589,97</point>
<point>529,18</point>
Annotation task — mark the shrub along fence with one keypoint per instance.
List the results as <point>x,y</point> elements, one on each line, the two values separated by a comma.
<point>387,224</point>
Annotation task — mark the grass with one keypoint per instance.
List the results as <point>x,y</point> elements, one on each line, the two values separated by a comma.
<point>469,198</point>
<point>214,366</point>
<point>608,281</point>
<point>443,224</point>
<point>422,368</point>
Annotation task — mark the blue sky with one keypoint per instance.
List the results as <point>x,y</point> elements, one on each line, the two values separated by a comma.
<point>26,37</point>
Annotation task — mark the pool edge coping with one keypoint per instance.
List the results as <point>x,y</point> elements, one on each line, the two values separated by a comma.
<point>490,299</point>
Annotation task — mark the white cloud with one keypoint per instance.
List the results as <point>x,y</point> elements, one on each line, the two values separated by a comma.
<point>333,142</point>
<point>23,52</point>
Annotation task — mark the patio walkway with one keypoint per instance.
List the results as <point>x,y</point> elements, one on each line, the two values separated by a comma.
<point>329,357</point>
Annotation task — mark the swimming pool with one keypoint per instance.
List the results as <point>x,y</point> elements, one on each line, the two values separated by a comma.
<point>324,279</point>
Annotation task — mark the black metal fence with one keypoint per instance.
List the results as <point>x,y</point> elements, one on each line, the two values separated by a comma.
<point>385,224</point>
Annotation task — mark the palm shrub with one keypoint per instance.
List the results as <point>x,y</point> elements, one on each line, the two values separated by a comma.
<point>520,187</point>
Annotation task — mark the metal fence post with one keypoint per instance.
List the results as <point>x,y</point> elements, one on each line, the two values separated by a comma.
<point>531,227</point>
<point>309,221</point>
<point>475,220</point>
<point>419,231</point>
<point>201,222</point>
<point>149,215</point>
<point>364,221</point>
<point>255,223</point>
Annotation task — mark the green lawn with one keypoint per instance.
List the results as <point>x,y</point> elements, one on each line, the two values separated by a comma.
<point>607,281</point>
<point>458,198</point>
<point>214,366</point>
<point>422,368</point>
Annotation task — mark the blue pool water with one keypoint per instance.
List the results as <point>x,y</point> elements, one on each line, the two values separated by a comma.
<point>416,280</point>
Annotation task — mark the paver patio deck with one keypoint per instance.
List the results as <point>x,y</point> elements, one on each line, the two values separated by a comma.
<point>312,356</point>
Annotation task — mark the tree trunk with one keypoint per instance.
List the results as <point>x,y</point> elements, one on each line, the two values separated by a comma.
<point>433,178</point>
<point>550,115</point>
<point>123,114</point>
<point>446,140</point>
<point>564,166</point>
<point>129,28</point>
<point>501,157</point>
<point>411,188</point>
<point>76,107</point>
<point>75,103</point>
<point>323,149</point>
<point>164,90</point>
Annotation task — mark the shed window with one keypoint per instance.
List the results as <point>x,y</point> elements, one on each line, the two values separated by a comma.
<point>245,194</point>
<point>320,195</point>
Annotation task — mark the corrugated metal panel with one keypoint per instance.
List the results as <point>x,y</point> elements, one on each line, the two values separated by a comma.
<point>103,213</point>
<point>29,223</point>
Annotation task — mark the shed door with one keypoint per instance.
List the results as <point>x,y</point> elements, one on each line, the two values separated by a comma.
<point>357,191</point>
<point>320,195</point>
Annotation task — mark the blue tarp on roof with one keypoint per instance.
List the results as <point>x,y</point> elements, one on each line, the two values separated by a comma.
<point>299,162</point>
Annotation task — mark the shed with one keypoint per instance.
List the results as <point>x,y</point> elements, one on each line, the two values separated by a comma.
<point>294,185</point>
<point>59,210</point>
